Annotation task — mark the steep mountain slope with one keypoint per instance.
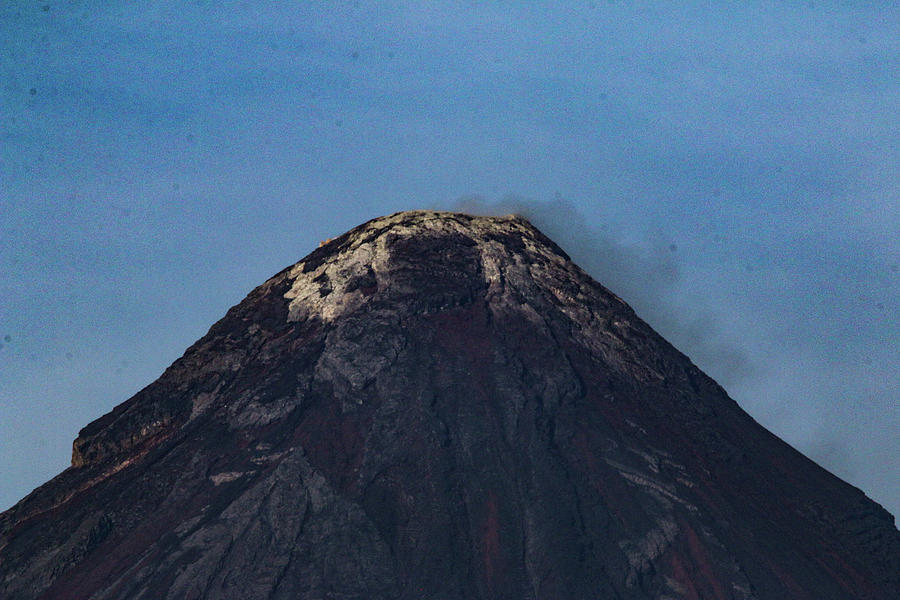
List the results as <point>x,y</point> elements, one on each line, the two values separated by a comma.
<point>435,405</point>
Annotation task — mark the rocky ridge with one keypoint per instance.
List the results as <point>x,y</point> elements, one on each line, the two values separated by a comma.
<point>444,406</point>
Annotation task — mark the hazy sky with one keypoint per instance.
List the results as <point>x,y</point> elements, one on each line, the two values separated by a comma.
<point>730,169</point>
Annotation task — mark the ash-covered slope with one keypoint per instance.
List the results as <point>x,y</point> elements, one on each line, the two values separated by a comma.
<point>440,406</point>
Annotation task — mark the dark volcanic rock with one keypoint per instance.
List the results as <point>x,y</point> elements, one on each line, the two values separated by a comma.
<point>440,406</point>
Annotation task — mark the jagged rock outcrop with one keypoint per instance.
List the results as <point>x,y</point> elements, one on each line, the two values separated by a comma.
<point>440,406</point>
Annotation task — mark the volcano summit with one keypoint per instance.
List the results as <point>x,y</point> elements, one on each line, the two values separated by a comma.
<point>440,406</point>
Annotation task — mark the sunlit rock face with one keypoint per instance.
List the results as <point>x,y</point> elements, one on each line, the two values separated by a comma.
<point>440,406</point>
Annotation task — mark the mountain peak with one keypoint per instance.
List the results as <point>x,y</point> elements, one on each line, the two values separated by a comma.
<point>444,406</point>
<point>395,255</point>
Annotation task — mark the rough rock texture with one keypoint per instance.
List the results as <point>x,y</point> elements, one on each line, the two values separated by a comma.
<point>440,406</point>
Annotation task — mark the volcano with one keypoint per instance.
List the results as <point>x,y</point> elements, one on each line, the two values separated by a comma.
<point>440,406</point>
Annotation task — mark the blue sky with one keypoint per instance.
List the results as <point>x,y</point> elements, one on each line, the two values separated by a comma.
<point>730,169</point>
